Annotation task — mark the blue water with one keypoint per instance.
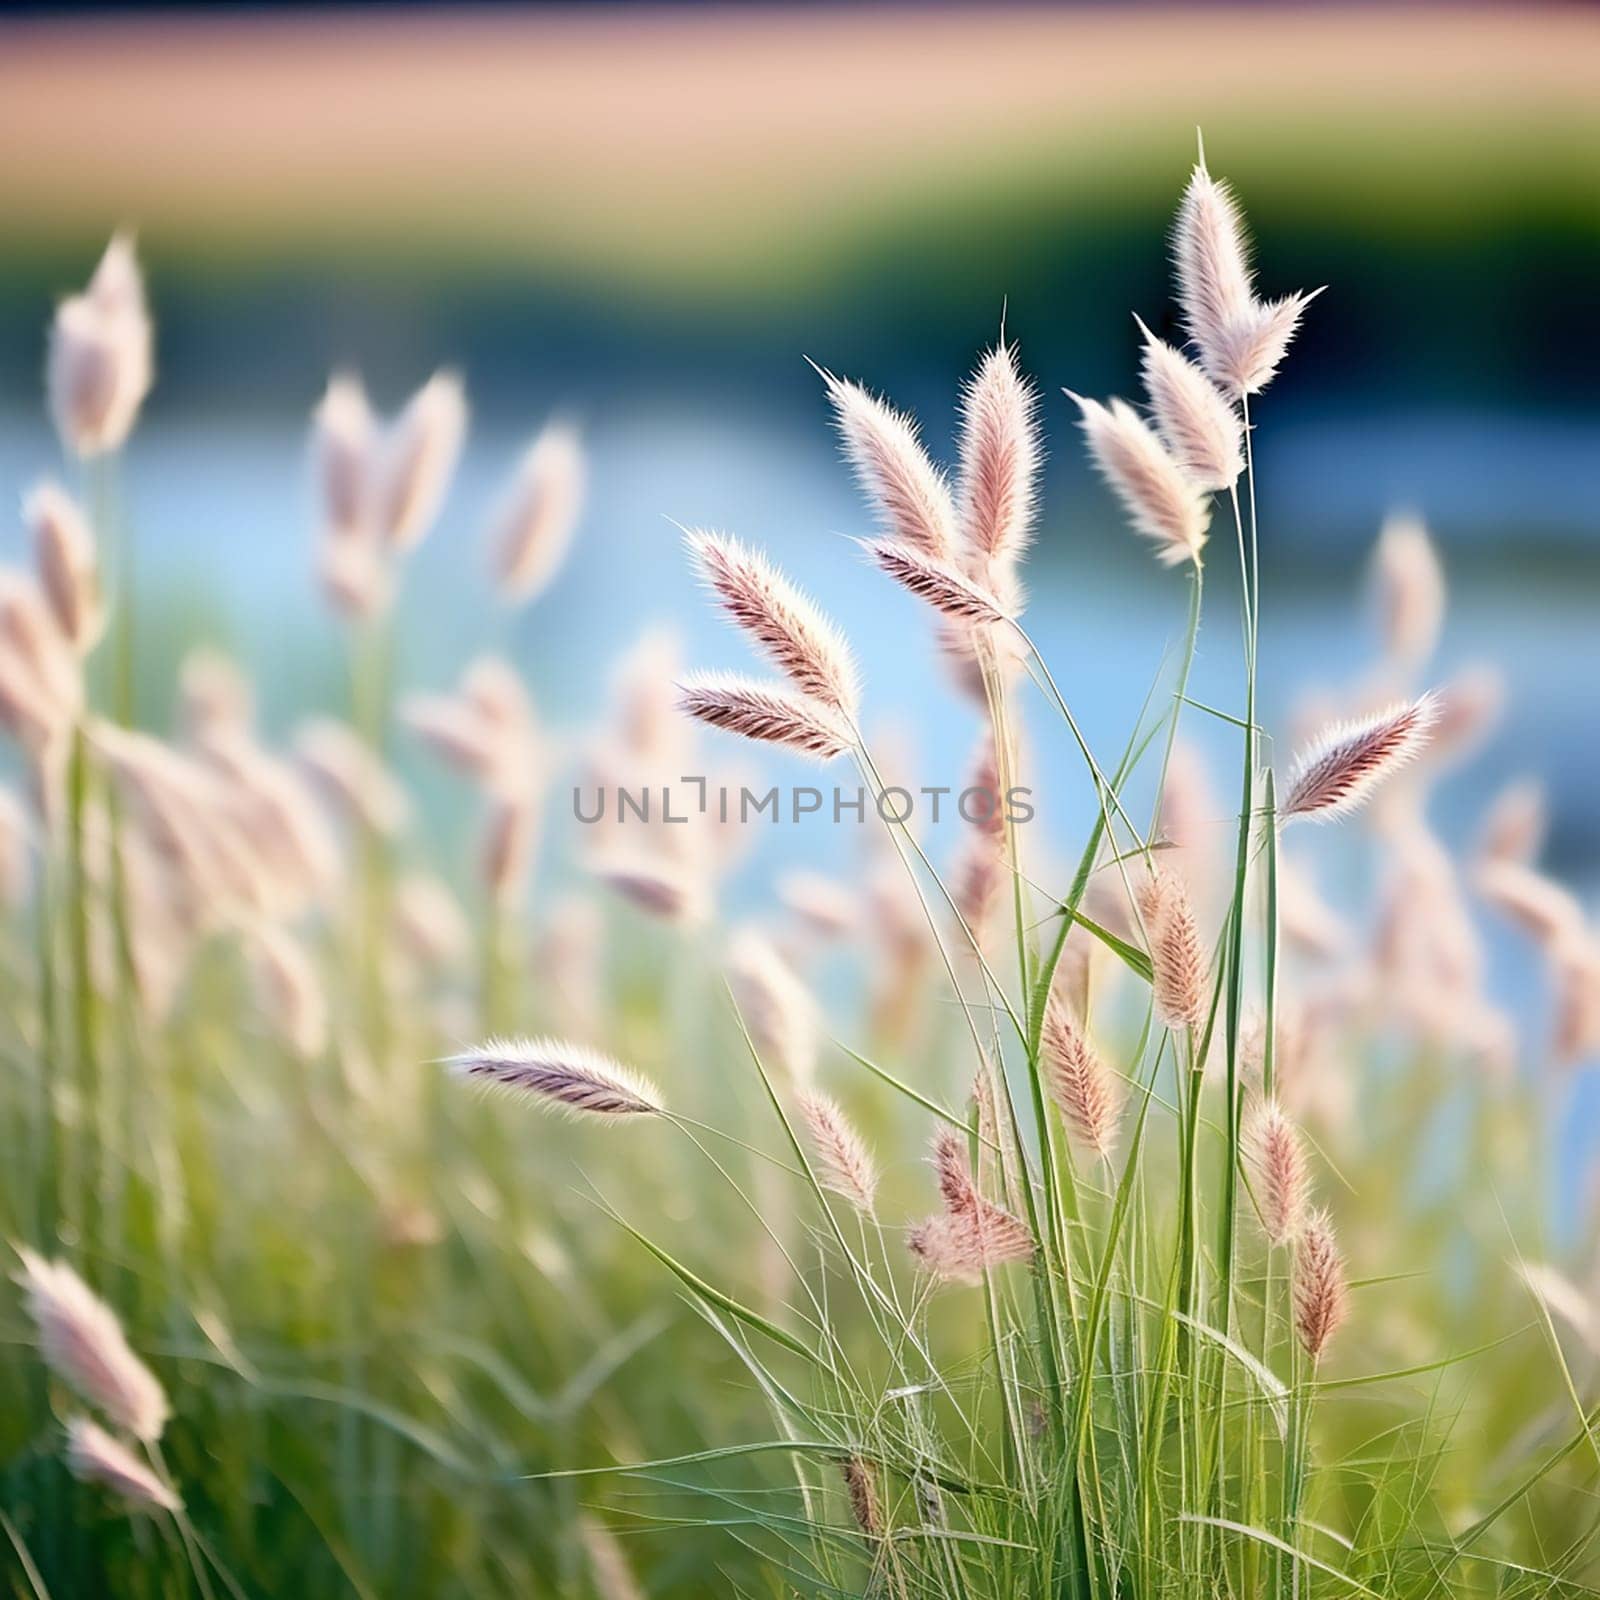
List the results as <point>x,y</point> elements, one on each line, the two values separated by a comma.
<point>224,523</point>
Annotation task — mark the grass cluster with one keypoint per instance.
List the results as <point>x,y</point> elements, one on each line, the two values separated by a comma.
<point>1223,1274</point>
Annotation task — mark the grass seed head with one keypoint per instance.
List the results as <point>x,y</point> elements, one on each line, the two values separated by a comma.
<point>82,1343</point>
<point>564,1077</point>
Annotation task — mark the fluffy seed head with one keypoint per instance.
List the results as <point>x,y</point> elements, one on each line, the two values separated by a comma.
<point>943,586</point>
<point>419,459</point>
<point>505,850</point>
<point>1201,430</point>
<point>94,1456</point>
<point>357,578</point>
<point>1213,270</point>
<point>100,366</point>
<point>344,453</point>
<point>1515,827</point>
<point>350,777</point>
<point>971,1234</point>
<point>1408,585</point>
<point>1251,351</point>
<point>824,906</point>
<point>69,571</point>
<point>1241,340</point>
<point>962,1246</point>
<point>41,680</point>
<point>1320,1292</point>
<point>82,1342</point>
<point>793,634</point>
<point>1542,908</point>
<point>764,712</point>
<point>1278,1165</point>
<point>429,922</point>
<point>1162,501</point>
<point>566,1077</point>
<point>953,1171</point>
<point>1350,760</point>
<point>907,491</point>
<point>278,813</point>
<point>999,465</point>
<point>213,694</point>
<point>666,890</point>
<point>843,1159</point>
<point>776,1006</point>
<point>1176,956</point>
<point>1078,1080</point>
<point>539,515</point>
<point>16,851</point>
<point>456,734</point>
<point>1575,975</point>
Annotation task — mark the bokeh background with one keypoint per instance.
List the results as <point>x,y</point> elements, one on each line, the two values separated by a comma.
<point>644,217</point>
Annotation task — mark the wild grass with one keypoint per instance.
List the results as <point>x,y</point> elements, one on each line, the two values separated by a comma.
<point>1224,1273</point>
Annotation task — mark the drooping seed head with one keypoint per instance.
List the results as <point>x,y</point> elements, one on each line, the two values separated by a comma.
<point>1161,500</point>
<point>455,733</point>
<point>69,570</point>
<point>1544,910</point>
<point>668,890</point>
<point>861,1486</point>
<point>767,713</point>
<point>962,1246</point>
<point>1278,1166</point>
<point>942,586</point>
<point>908,493</point>
<point>540,513</point>
<point>1078,1080</point>
<point>1196,422</point>
<point>999,466</point>
<point>562,1076</point>
<point>94,1456</point>
<point>418,460</point>
<point>82,1342</point>
<point>1320,1292</point>
<point>1349,760</point>
<point>41,678</point>
<point>826,908</point>
<point>844,1163</point>
<point>784,622</point>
